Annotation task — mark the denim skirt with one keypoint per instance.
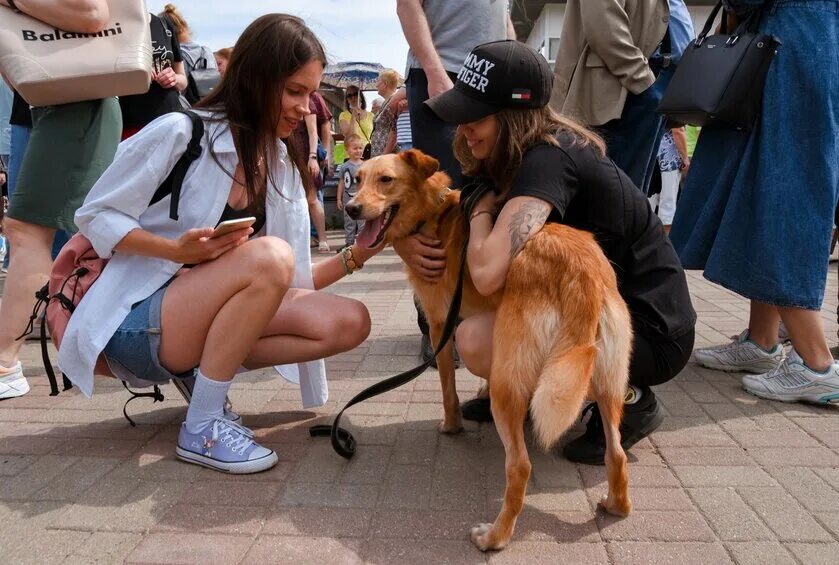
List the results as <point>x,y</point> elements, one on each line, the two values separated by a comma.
<point>757,209</point>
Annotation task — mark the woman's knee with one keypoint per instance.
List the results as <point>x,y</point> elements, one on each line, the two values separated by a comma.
<point>353,325</point>
<point>472,343</point>
<point>270,259</point>
<point>27,235</point>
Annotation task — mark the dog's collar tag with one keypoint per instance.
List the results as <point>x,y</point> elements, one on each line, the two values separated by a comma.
<point>443,195</point>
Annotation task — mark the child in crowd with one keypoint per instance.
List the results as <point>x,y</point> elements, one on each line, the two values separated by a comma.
<point>347,186</point>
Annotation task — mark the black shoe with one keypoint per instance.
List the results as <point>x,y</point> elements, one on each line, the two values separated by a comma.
<point>477,410</point>
<point>427,352</point>
<point>639,420</point>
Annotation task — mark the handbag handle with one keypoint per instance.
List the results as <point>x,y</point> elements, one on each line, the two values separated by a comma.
<point>709,23</point>
<point>742,27</point>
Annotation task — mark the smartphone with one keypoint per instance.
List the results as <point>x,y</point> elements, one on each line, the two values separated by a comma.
<point>225,228</point>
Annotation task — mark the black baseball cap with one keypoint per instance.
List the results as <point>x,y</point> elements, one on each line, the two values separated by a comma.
<point>496,75</point>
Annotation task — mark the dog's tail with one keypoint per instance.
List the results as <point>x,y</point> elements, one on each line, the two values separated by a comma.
<point>561,391</point>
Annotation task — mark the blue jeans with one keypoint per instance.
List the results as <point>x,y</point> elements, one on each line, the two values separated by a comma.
<point>633,140</point>
<point>19,142</point>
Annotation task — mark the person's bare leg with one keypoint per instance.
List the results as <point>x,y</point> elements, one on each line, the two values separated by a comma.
<point>763,324</point>
<point>318,217</point>
<point>29,269</point>
<point>807,334</point>
<point>212,315</point>
<point>310,325</point>
<point>474,343</point>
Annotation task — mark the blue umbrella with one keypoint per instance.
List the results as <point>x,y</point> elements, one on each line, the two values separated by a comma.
<point>355,73</point>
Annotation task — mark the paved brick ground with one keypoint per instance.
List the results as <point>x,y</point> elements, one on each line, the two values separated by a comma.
<point>728,477</point>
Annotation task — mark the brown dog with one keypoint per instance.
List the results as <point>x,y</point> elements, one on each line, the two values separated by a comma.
<point>563,332</point>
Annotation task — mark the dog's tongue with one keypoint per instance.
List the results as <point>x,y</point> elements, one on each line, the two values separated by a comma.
<point>367,236</point>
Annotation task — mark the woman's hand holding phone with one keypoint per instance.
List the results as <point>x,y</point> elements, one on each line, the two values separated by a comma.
<point>199,245</point>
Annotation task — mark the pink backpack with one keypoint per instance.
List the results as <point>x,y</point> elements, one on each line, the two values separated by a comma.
<point>74,271</point>
<point>78,266</point>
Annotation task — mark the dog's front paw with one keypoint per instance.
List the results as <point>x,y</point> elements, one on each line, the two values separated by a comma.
<point>453,426</point>
<point>481,536</point>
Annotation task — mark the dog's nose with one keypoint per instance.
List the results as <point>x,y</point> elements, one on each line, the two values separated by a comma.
<point>353,210</point>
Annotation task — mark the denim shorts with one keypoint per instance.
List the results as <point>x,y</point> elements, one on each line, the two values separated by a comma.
<point>135,345</point>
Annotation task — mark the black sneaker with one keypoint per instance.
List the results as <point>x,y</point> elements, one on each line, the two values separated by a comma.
<point>477,410</point>
<point>639,420</point>
<point>427,352</point>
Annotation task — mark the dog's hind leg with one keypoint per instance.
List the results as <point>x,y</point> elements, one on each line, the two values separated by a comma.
<point>452,422</point>
<point>617,500</point>
<point>609,386</point>
<point>509,408</point>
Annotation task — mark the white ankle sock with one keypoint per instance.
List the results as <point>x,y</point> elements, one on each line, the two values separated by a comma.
<point>207,402</point>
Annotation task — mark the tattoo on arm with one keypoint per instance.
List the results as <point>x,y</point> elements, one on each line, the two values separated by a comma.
<point>526,221</point>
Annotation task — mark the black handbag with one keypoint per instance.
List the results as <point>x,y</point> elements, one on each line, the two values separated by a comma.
<point>720,78</point>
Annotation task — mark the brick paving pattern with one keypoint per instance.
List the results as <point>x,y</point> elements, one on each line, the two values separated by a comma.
<point>727,478</point>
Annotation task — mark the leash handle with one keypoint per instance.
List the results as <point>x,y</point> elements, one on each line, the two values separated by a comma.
<point>343,441</point>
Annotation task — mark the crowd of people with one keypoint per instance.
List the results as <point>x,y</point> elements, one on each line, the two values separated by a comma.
<point>580,144</point>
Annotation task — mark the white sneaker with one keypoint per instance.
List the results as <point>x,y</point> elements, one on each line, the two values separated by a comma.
<point>793,381</point>
<point>742,354</point>
<point>12,382</point>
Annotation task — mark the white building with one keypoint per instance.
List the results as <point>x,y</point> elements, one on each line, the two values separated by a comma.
<point>539,23</point>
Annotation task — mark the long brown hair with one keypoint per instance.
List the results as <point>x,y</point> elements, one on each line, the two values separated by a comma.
<point>249,96</point>
<point>518,130</point>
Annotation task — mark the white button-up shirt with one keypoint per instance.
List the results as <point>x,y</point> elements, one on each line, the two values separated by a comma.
<point>119,203</point>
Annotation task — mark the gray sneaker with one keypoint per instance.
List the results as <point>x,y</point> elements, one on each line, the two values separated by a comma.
<point>225,446</point>
<point>793,381</point>
<point>741,355</point>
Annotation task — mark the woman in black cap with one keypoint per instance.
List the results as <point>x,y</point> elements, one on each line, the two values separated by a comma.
<point>546,168</point>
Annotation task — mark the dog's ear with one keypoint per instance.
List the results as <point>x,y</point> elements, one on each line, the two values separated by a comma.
<point>420,162</point>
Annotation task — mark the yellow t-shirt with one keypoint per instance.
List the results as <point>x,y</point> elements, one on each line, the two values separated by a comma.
<point>363,127</point>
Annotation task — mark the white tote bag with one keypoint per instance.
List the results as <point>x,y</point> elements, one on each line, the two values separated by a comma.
<point>50,66</point>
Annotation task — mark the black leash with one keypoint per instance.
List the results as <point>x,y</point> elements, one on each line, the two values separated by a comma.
<point>343,441</point>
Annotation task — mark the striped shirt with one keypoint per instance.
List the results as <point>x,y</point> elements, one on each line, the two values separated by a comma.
<point>403,128</point>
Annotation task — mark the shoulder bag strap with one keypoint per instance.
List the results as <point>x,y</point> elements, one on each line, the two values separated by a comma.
<point>172,184</point>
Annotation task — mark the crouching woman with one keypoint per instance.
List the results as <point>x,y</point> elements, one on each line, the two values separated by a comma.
<point>250,298</point>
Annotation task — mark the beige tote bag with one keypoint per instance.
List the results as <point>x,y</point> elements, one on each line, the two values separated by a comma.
<point>50,66</point>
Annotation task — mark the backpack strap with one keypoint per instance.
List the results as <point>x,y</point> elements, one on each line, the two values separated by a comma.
<point>172,184</point>
<point>155,394</point>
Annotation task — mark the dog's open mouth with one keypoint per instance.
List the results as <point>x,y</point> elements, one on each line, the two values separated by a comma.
<point>374,230</point>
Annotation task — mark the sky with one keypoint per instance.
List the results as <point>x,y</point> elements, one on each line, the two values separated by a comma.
<point>360,30</point>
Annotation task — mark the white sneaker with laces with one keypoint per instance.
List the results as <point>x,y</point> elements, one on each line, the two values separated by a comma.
<point>793,381</point>
<point>12,382</point>
<point>742,354</point>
